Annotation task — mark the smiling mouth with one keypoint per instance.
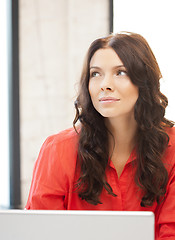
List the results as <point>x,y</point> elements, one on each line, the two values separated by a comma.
<point>109,99</point>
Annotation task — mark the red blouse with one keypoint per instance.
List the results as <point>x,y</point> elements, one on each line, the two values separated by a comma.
<point>55,174</point>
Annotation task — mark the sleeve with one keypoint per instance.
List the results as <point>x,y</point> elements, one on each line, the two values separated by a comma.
<point>165,227</point>
<point>49,185</point>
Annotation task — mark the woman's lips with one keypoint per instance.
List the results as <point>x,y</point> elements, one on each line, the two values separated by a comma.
<point>109,99</point>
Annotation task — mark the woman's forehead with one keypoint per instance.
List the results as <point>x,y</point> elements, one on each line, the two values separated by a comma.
<point>105,57</point>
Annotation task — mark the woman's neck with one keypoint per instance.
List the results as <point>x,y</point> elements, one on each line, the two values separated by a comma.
<point>124,133</point>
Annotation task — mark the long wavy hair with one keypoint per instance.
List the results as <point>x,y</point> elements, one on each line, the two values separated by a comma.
<point>93,150</point>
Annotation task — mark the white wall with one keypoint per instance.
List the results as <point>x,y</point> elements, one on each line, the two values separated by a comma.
<point>54,37</point>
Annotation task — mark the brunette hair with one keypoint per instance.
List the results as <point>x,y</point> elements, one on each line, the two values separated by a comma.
<point>93,149</point>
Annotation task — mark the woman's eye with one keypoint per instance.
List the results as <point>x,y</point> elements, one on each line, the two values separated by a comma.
<point>95,74</point>
<point>121,73</point>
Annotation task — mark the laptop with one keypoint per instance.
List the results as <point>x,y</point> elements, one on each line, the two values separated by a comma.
<point>75,225</point>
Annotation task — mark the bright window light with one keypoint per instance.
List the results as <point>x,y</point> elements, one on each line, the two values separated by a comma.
<point>155,21</point>
<point>4,116</point>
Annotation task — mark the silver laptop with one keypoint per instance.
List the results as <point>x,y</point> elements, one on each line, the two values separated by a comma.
<point>76,225</point>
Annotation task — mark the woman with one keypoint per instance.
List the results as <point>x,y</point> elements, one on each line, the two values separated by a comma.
<point>121,156</point>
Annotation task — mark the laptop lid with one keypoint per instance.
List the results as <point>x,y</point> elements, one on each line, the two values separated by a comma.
<point>78,225</point>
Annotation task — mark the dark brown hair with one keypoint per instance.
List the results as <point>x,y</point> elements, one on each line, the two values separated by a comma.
<point>93,149</point>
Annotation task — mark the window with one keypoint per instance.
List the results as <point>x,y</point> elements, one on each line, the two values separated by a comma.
<point>9,106</point>
<point>4,107</point>
<point>155,21</point>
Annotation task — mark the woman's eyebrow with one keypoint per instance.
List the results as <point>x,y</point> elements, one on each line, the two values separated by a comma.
<point>95,67</point>
<point>117,66</point>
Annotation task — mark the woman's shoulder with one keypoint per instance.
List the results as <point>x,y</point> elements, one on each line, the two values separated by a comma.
<point>65,137</point>
<point>171,134</point>
<point>170,151</point>
<point>62,145</point>
<point>59,151</point>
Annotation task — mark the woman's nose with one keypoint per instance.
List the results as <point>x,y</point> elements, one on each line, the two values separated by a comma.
<point>107,84</point>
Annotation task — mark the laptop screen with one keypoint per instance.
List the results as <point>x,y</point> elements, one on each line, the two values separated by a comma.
<point>78,225</point>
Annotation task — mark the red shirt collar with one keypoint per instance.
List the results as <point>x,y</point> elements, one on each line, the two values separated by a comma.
<point>131,158</point>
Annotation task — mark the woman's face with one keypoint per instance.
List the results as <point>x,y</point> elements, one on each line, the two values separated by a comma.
<point>111,90</point>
